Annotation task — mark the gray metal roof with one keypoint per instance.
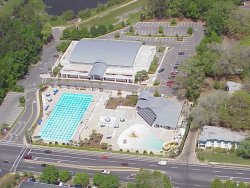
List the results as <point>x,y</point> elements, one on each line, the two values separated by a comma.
<point>98,69</point>
<point>221,133</point>
<point>110,52</point>
<point>167,110</point>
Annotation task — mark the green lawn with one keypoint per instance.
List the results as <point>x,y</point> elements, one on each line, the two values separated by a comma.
<point>245,41</point>
<point>8,7</point>
<point>212,156</point>
<point>110,17</point>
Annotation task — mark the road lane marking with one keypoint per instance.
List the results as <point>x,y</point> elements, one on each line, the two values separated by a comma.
<point>173,167</point>
<point>239,173</point>
<point>235,177</point>
<point>216,171</point>
<point>195,169</point>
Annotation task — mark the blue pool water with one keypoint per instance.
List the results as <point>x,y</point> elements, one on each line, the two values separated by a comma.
<point>65,117</point>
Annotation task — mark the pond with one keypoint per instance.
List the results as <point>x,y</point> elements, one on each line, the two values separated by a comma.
<point>57,7</point>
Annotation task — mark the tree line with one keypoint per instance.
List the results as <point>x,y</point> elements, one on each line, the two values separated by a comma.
<point>21,39</point>
<point>77,33</point>
<point>143,179</point>
<point>217,183</point>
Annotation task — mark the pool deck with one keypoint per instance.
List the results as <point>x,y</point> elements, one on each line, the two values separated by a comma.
<point>97,112</point>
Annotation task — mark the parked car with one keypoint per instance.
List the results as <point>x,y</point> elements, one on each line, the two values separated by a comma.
<point>108,136</point>
<point>162,163</point>
<point>181,53</point>
<point>105,172</point>
<point>44,165</point>
<point>124,164</point>
<point>176,66</point>
<point>104,157</point>
<point>161,70</point>
<point>173,74</point>
<point>132,176</point>
<point>27,156</point>
<point>170,83</point>
<point>7,161</point>
<point>47,151</point>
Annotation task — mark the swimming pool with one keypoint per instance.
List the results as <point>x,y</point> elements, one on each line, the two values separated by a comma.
<point>65,117</point>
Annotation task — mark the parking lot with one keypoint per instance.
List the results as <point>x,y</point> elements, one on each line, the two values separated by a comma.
<point>151,28</point>
<point>178,50</point>
<point>10,109</point>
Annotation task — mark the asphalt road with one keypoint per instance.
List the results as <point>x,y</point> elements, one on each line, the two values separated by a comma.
<point>181,175</point>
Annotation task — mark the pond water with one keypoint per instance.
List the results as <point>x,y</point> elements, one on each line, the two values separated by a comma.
<point>57,7</point>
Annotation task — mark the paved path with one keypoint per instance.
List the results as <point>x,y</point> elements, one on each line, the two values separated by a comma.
<point>188,155</point>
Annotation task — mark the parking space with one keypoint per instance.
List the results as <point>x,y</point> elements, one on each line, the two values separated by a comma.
<point>10,108</point>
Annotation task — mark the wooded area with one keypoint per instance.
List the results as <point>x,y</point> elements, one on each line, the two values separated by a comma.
<point>21,39</point>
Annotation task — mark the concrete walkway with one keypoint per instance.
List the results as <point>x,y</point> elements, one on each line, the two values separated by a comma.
<point>188,154</point>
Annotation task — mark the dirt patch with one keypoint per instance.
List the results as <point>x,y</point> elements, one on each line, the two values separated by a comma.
<point>229,43</point>
<point>129,100</point>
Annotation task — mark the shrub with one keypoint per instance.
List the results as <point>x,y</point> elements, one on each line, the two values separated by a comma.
<point>173,22</point>
<point>145,152</point>
<point>128,151</point>
<point>117,35</point>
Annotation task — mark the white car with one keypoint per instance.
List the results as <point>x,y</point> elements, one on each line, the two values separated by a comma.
<point>162,163</point>
<point>105,172</point>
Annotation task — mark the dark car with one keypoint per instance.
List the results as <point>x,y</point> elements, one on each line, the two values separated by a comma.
<point>176,66</point>
<point>7,161</point>
<point>181,53</point>
<point>44,165</point>
<point>47,151</point>
<point>28,157</point>
<point>161,70</point>
<point>124,164</point>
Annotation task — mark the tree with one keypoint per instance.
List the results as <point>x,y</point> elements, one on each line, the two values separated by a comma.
<point>84,13</point>
<point>160,29</point>
<point>46,32</point>
<point>93,31</point>
<point>131,29</point>
<point>141,76</point>
<point>217,184</point>
<point>49,175</point>
<point>243,149</point>
<point>68,15</point>
<point>105,181</point>
<point>64,176</point>
<point>101,29</point>
<point>235,112</point>
<point>111,27</point>
<point>156,8</point>
<point>81,179</point>
<point>190,31</point>
<point>206,111</point>
<point>149,179</point>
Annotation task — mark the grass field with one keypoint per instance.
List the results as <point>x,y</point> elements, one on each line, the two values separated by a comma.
<point>245,41</point>
<point>8,7</point>
<point>111,17</point>
<point>212,156</point>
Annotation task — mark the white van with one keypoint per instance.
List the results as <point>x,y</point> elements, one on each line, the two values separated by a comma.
<point>162,163</point>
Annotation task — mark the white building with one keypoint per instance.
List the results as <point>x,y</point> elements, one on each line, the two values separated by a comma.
<point>109,60</point>
<point>219,137</point>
